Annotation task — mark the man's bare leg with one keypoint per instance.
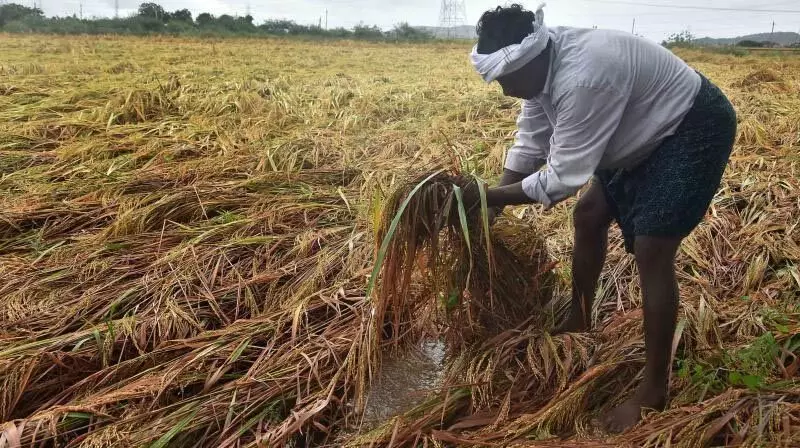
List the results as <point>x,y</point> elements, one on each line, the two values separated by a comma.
<point>655,258</point>
<point>592,218</point>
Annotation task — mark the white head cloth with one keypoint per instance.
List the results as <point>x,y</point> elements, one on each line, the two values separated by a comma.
<point>513,57</point>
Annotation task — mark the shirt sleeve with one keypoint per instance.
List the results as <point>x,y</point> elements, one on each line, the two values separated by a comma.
<point>586,119</point>
<point>532,141</point>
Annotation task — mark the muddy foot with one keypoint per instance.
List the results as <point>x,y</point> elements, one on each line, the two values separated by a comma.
<point>628,414</point>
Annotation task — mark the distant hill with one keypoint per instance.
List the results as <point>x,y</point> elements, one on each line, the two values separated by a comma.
<point>459,32</point>
<point>783,38</point>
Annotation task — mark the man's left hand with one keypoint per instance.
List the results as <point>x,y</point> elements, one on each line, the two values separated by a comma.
<point>496,198</point>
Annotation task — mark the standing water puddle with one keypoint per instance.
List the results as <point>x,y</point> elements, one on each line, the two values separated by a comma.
<point>405,381</point>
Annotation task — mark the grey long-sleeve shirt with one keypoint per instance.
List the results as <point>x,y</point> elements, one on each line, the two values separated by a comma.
<point>609,100</point>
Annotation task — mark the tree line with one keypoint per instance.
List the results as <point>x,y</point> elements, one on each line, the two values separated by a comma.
<point>686,39</point>
<point>152,18</point>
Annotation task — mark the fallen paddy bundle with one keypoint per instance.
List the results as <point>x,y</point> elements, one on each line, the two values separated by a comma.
<point>440,260</point>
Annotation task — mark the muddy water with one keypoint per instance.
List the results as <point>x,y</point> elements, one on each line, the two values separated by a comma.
<point>404,382</point>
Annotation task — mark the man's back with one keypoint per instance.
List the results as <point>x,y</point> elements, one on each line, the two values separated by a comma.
<point>658,87</point>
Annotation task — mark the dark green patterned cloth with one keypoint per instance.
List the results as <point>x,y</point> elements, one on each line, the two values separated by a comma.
<point>669,193</point>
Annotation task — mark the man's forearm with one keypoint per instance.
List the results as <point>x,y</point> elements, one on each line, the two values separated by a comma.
<point>512,194</point>
<point>508,191</point>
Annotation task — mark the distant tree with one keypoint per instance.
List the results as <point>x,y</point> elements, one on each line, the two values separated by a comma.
<point>153,10</point>
<point>205,20</point>
<point>182,15</point>
<point>178,27</point>
<point>147,25</point>
<point>362,31</point>
<point>280,27</point>
<point>227,22</point>
<point>404,31</point>
<point>315,30</point>
<point>339,32</point>
<point>749,43</point>
<point>244,25</point>
<point>13,12</point>
<point>682,39</point>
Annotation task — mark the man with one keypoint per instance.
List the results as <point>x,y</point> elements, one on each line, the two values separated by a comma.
<point>654,134</point>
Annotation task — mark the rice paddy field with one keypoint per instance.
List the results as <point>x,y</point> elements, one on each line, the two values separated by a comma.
<point>188,230</point>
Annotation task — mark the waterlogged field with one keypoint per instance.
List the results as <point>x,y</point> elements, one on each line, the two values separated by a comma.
<point>187,229</point>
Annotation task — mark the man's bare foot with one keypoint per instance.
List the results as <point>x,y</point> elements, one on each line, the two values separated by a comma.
<point>571,324</point>
<point>628,414</point>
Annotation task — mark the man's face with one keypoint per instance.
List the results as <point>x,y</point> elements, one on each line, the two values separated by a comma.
<point>518,85</point>
<point>529,80</point>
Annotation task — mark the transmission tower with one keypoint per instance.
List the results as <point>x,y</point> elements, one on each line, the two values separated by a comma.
<point>452,14</point>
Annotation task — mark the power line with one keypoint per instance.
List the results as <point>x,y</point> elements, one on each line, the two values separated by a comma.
<point>701,8</point>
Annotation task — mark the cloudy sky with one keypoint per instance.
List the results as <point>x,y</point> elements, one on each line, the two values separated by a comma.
<point>654,18</point>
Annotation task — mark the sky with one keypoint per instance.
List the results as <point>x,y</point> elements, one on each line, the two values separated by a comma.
<point>654,19</point>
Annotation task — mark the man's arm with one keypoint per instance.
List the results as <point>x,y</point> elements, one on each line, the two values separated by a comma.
<point>526,156</point>
<point>498,197</point>
<point>532,141</point>
<point>586,120</point>
<point>511,194</point>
